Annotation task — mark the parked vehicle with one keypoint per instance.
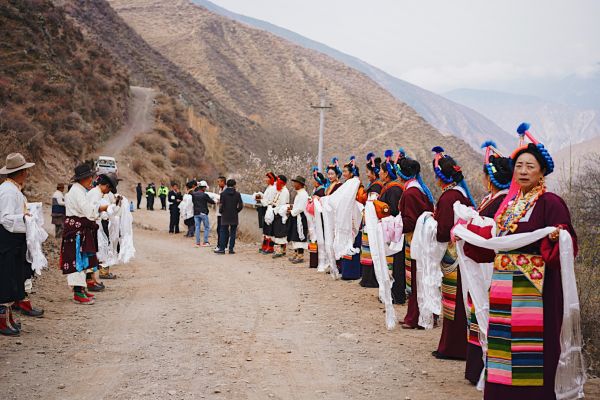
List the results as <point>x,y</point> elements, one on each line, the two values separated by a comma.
<point>105,165</point>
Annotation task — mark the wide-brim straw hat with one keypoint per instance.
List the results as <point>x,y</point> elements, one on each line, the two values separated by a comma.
<point>15,162</point>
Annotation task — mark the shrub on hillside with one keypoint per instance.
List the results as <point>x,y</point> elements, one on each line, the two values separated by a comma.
<point>582,194</point>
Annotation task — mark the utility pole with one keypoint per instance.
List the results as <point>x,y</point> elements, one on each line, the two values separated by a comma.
<point>322,107</point>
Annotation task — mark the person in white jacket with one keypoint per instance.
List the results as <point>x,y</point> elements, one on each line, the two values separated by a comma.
<point>279,208</point>
<point>298,230</point>
<point>186,208</point>
<point>263,201</point>
<point>80,232</point>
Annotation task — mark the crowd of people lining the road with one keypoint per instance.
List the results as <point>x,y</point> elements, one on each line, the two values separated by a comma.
<point>495,274</point>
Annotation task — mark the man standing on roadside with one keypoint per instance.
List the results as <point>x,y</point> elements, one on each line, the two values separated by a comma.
<point>150,193</point>
<point>230,207</point>
<point>138,193</point>
<point>162,195</point>
<point>175,198</point>
<point>201,201</point>
<point>14,268</point>
<point>220,187</point>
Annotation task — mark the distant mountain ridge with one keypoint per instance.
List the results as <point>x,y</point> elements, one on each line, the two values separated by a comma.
<point>445,115</point>
<point>556,124</point>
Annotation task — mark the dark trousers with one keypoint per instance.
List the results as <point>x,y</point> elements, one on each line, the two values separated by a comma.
<point>163,202</point>
<point>174,220</point>
<point>218,229</point>
<point>191,227</point>
<point>228,233</point>
<point>139,201</point>
<point>150,202</point>
<point>399,274</point>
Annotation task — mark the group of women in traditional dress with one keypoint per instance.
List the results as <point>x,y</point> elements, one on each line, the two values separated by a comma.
<point>495,274</point>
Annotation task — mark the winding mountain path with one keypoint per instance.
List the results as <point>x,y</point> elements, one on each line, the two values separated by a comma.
<point>140,120</point>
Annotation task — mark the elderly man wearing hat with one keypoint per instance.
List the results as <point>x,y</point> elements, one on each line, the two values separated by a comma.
<point>298,231</point>
<point>14,268</point>
<point>80,232</point>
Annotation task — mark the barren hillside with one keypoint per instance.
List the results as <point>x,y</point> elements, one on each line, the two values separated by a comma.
<point>60,94</point>
<point>273,82</point>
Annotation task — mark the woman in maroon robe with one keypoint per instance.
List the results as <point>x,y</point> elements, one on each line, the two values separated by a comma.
<point>415,200</point>
<point>453,342</point>
<point>497,174</point>
<point>530,209</point>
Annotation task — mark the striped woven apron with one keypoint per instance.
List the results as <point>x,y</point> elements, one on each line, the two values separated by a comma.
<point>473,328</point>
<point>408,262</point>
<point>516,328</point>
<point>365,251</point>
<point>449,281</point>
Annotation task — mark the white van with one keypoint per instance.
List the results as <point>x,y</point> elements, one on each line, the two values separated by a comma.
<point>105,165</point>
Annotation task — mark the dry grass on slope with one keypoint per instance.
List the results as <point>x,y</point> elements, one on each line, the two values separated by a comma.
<point>60,94</point>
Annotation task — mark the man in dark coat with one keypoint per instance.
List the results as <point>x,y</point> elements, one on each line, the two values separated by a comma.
<point>230,206</point>
<point>138,193</point>
<point>175,198</point>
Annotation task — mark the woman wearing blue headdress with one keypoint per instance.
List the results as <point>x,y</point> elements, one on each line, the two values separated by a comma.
<point>497,174</point>
<point>350,264</point>
<point>391,194</point>
<point>375,186</point>
<point>449,177</point>
<point>415,200</point>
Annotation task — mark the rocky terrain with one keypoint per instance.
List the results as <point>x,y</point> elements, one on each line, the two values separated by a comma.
<point>273,82</point>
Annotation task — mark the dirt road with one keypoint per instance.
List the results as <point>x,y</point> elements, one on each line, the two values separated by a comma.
<point>184,323</point>
<point>140,120</point>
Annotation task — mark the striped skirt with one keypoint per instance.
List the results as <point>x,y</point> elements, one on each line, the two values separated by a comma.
<point>516,328</point>
<point>449,282</point>
<point>408,262</point>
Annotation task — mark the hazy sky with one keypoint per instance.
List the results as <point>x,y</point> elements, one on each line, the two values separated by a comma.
<point>447,44</point>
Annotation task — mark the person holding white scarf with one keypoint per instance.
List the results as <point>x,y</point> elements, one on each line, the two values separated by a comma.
<point>531,324</point>
<point>279,208</point>
<point>80,234</point>
<point>298,230</point>
<point>498,173</point>
<point>453,341</point>
<point>14,267</point>
<point>263,201</point>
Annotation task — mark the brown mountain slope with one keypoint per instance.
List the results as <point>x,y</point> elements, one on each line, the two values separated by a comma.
<point>219,127</point>
<point>60,95</point>
<point>273,82</point>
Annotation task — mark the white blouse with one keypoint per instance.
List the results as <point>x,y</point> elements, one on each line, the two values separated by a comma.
<point>12,207</point>
<point>78,204</point>
<point>300,202</point>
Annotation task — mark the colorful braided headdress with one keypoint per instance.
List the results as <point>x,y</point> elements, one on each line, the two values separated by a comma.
<point>389,164</point>
<point>372,165</point>
<point>335,166</point>
<point>417,176</point>
<point>513,191</point>
<point>523,131</point>
<point>353,167</point>
<point>492,151</point>
<point>439,154</point>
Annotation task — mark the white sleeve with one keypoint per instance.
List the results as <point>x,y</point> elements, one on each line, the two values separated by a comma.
<point>14,223</point>
<point>284,197</point>
<point>90,203</point>
<point>300,203</point>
